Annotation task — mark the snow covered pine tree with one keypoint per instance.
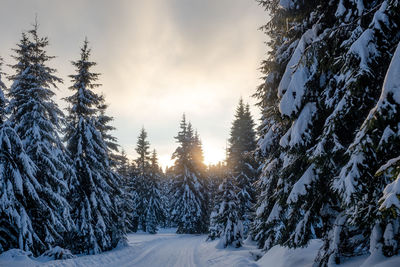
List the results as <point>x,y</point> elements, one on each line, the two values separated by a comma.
<point>155,211</point>
<point>37,120</point>
<point>225,221</point>
<point>18,189</point>
<point>148,208</point>
<point>126,174</point>
<point>94,193</point>
<point>368,42</point>
<point>189,207</point>
<point>375,150</point>
<point>385,119</point>
<point>327,70</point>
<point>140,200</point>
<point>241,163</point>
<point>282,163</point>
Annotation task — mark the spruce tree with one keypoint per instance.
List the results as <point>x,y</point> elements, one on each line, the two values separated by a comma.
<point>94,194</point>
<point>128,173</point>
<point>167,197</point>
<point>242,142</point>
<point>226,217</point>
<point>215,175</point>
<point>155,213</point>
<point>189,207</point>
<point>267,228</point>
<point>123,169</point>
<point>225,221</point>
<point>374,151</point>
<point>357,87</point>
<point>323,76</point>
<point>286,213</point>
<point>37,120</point>
<point>147,200</point>
<point>141,180</point>
<point>19,190</point>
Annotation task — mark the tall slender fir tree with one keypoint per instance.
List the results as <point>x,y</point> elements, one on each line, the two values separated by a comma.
<point>140,180</point>
<point>155,211</point>
<point>19,190</point>
<point>37,120</point>
<point>189,207</point>
<point>241,163</point>
<point>94,195</point>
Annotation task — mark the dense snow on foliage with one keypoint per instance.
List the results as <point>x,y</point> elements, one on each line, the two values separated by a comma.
<point>330,128</point>
<point>95,192</point>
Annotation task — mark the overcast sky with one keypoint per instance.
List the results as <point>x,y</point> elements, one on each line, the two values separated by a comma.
<point>158,60</point>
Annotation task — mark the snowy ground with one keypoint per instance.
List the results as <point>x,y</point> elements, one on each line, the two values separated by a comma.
<point>163,249</point>
<point>169,249</point>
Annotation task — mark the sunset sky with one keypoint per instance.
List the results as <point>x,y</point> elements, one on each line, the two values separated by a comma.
<point>158,59</point>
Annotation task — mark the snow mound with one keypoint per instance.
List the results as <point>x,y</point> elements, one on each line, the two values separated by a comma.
<point>16,257</point>
<point>282,257</point>
<point>285,257</point>
<point>58,253</point>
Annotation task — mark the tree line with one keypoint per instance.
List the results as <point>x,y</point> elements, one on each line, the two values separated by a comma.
<point>66,186</point>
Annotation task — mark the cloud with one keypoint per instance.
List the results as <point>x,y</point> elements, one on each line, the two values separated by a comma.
<point>158,59</point>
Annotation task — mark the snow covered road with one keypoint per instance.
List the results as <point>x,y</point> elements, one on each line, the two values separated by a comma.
<point>169,249</point>
<point>164,249</point>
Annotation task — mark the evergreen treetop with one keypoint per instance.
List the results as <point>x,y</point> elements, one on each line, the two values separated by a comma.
<point>142,149</point>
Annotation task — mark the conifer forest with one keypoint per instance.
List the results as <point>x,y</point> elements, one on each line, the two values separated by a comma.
<point>311,168</point>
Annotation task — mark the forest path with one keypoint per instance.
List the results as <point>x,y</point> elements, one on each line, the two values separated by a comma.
<point>165,249</point>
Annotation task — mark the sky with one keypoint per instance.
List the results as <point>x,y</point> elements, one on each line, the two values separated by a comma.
<point>158,59</point>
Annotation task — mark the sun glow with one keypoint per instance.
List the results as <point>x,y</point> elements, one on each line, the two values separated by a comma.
<point>213,155</point>
<point>165,160</point>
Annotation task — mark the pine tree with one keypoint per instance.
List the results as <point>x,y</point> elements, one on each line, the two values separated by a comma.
<point>148,206</point>
<point>37,120</point>
<point>155,213</point>
<point>18,189</point>
<point>290,125</point>
<point>356,91</point>
<point>323,76</point>
<point>267,228</point>
<point>215,175</point>
<point>141,180</point>
<point>167,196</point>
<point>189,207</point>
<point>94,195</point>
<point>225,219</point>
<point>242,142</point>
<point>123,169</point>
<point>374,151</point>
